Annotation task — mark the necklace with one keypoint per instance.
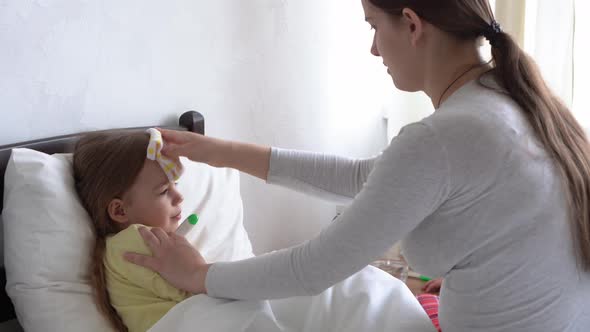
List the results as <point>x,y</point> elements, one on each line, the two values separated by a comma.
<point>453,82</point>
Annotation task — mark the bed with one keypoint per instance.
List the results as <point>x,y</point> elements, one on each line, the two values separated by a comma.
<point>191,121</point>
<point>47,244</point>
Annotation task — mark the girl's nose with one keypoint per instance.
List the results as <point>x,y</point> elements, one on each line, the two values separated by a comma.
<point>178,198</point>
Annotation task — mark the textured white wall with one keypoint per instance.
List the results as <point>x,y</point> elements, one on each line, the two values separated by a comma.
<point>294,74</point>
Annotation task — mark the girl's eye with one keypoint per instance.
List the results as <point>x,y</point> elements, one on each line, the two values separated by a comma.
<point>372,27</point>
<point>164,192</point>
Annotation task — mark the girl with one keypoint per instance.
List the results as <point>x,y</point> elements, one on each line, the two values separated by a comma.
<point>120,188</point>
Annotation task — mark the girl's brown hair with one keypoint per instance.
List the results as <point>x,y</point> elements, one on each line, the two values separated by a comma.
<point>105,166</point>
<point>553,123</point>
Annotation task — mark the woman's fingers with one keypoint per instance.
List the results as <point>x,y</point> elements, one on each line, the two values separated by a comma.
<point>175,238</point>
<point>142,260</point>
<point>150,239</point>
<point>173,136</point>
<point>161,235</point>
<point>195,147</point>
<point>171,151</point>
<point>174,258</point>
<point>173,143</point>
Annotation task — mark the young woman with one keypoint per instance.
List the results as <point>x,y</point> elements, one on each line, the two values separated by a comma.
<point>490,192</point>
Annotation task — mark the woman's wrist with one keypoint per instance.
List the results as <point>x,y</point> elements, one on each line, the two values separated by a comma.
<point>218,152</point>
<point>201,280</point>
<point>245,157</point>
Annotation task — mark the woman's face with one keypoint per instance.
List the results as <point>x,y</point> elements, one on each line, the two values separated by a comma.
<point>393,42</point>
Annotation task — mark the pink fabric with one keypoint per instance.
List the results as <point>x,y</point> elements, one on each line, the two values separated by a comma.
<point>430,304</point>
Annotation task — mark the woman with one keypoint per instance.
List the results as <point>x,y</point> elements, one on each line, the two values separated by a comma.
<point>490,192</point>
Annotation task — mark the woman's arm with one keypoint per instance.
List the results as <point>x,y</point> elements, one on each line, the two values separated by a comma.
<point>327,176</point>
<point>331,177</point>
<point>248,158</point>
<point>408,183</point>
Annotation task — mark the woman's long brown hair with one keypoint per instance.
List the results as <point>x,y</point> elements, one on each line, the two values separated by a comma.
<point>552,122</point>
<point>105,166</point>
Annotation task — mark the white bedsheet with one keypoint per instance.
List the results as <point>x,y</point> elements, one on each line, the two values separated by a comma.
<point>370,300</point>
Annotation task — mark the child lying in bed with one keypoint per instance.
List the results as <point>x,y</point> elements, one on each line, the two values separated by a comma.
<point>120,188</point>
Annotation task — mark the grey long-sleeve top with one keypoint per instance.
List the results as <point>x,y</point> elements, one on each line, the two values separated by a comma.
<point>475,200</point>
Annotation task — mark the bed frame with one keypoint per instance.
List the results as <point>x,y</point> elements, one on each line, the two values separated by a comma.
<point>191,121</point>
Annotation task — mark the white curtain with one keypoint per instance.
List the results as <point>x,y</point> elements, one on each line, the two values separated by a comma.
<point>511,16</point>
<point>549,38</point>
<point>557,42</point>
<point>549,32</point>
<point>581,66</point>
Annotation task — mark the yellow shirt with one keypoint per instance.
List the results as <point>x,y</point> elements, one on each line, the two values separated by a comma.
<point>140,296</point>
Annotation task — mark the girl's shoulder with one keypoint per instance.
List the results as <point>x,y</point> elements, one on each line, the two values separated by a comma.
<point>128,239</point>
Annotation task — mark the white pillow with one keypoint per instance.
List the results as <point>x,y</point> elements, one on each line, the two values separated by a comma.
<point>48,236</point>
<point>214,194</point>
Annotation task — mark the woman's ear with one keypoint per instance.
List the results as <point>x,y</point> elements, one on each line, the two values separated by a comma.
<point>415,24</point>
<point>116,210</point>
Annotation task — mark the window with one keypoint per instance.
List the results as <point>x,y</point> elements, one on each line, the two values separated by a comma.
<point>581,66</point>
<point>549,32</point>
<point>557,42</point>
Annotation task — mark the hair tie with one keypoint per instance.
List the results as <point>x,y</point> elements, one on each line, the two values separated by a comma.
<point>491,33</point>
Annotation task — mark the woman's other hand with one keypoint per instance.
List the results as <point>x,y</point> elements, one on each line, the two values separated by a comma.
<point>433,286</point>
<point>174,258</point>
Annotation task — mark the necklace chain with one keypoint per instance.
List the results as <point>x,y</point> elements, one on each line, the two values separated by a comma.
<point>454,81</point>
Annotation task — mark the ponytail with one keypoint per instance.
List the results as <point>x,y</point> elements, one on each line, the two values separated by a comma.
<point>99,286</point>
<point>555,127</point>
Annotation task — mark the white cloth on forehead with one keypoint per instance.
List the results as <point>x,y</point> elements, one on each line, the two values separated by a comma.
<point>172,169</point>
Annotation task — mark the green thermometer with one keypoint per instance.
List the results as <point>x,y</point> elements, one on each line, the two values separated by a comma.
<point>187,225</point>
<point>419,276</point>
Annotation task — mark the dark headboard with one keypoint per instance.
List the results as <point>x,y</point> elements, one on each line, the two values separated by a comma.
<point>191,121</point>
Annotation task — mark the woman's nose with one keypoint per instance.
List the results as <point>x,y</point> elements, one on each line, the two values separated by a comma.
<point>374,50</point>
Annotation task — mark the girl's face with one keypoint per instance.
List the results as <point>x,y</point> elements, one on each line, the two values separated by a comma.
<point>152,201</point>
<point>395,42</point>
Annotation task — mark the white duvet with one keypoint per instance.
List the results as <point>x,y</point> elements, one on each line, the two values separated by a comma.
<point>370,300</point>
